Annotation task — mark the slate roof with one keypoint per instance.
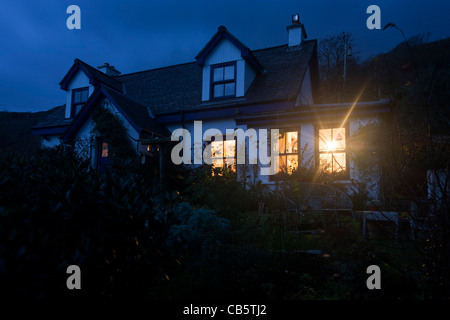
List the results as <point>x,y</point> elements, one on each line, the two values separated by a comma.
<point>319,111</point>
<point>166,89</point>
<point>285,71</point>
<point>102,77</point>
<point>136,114</point>
<point>96,77</point>
<point>179,87</point>
<point>139,114</point>
<point>55,118</point>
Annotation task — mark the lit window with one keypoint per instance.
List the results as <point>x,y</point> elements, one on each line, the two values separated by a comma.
<point>223,81</point>
<point>332,150</point>
<point>104,150</point>
<point>288,151</point>
<point>223,154</point>
<point>79,97</point>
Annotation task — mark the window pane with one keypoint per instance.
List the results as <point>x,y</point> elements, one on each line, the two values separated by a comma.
<point>325,162</point>
<point>84,95</point>
<point>229,89</point>
<point>292,163</point>
<point>282,164</point>
<point>218,90</point>
<point>282,142</point>
<point>217,163</point>
<point>223,154</point>
<point>218,74</point>
<point>229,73</point>
<point>324,140</point>
<point>76,96</point>
<point>78,108</point>
<point>217,149</point>
<point>339,138</point>
<point>231,163</point>
<point>230,148</point>
<point>104,150</point>
<point>338,162</point>
<point>291,142</point>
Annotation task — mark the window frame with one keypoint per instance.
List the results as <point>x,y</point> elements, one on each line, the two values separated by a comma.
<point>73,106</point>
<point>342,175</point>
<point>213,83</point>
<point>224,163</point>
<point>281,174</point>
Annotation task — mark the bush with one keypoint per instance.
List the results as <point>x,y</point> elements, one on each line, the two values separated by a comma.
<point>206,240</point>
<point>55,211</point>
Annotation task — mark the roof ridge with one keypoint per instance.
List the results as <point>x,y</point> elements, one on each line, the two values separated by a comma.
<point>113,78</point>
<point>107,88</point>
<point>281,45</point>
<point>273,47</point>
<point>158,68</point>
<point>193,62</point>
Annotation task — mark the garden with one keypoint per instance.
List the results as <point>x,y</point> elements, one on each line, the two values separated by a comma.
<point>204,237</point>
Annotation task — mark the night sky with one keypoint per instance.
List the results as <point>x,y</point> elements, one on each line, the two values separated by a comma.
<point>37,49</point>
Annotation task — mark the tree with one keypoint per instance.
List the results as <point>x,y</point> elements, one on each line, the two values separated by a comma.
<point>335,59</point>
<point>415,76</point>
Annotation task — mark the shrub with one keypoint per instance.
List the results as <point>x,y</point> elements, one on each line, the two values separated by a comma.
<point>55,211</point>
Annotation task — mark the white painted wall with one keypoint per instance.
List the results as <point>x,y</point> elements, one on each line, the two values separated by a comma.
<point>223,52</point>
<point>307,145</point>
<point>295,36</point>
<point>50,141</point>
<point>373,179</point>
<point>250,75</point>
<point>305,96</point>
<point>240,78</point>
<point>206,84</point>
<point>131,131</point>
<point>79,80</point>
<point>85,142</point>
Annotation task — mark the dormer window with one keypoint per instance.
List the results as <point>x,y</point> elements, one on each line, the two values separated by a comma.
<point>223,80</point>
<point>79,97</point>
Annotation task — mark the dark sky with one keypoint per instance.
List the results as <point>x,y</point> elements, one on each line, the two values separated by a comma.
<point>37,49</point>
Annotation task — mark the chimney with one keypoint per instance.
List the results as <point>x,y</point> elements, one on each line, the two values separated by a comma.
<point>109,70</point>
<point>296,32</point>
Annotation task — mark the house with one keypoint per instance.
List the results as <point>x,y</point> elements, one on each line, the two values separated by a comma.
<point>228,86</point>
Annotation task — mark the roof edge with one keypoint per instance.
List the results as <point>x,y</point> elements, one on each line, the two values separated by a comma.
<point>223,33</point>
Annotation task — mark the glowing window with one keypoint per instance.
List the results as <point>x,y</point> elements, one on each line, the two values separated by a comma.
<point>332,150</point>
<point>288,151</point>
<point>223,154</point>
<point>104,150</point>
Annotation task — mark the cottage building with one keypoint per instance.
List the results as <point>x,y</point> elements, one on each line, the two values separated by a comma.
<point>227,86</point>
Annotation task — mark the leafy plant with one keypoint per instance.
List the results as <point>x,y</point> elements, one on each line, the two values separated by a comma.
<point>109,128</point>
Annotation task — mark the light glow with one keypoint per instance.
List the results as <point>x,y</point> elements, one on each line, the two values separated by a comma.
<point>331,146</point>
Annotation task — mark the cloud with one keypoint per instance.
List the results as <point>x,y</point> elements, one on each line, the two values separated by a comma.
<point>37,49</point>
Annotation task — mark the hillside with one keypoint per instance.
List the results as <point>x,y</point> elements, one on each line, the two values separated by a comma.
<point>15,131</point>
